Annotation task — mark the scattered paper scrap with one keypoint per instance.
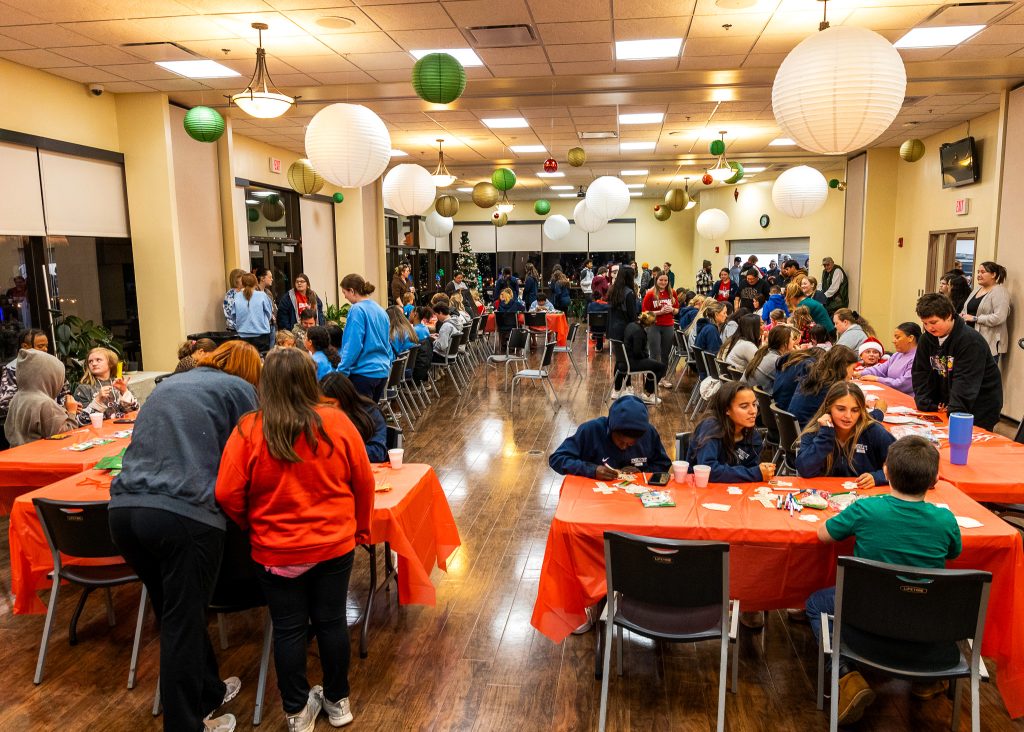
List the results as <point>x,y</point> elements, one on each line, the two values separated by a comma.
<point>764,500</point>
<point>942,505</point>
<point>734,490</point>
<point>636,490</point>
<point>716,506</point>
<point>850,485</point>
<point>808,517</point>
<point>382,487</point>
<point>870,387</point>
<point>966,522</point>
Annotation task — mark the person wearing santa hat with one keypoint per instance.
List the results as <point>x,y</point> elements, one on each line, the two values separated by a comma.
<point>896,371</point>
<point>871,353</point>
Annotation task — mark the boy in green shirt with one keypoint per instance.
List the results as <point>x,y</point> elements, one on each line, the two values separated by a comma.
<point>897,528</point>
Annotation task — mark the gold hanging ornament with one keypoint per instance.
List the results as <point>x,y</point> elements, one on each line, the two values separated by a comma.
<point>577,156</point>
<point>485,194</point>
<point>447,206</point>
<point>676,199</point>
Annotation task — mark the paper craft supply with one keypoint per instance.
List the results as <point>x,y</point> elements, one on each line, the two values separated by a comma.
<point>808,517</point>
<point>780,483</point>
<point>942,505</point>
<point>764,500</point>
<point>121,434</point>
<point>870,387</point>
<point>734,490</point>
<point>850,485</point>
<point>111,463</point>
<point>716,506</point>
<point>813,500</point>
<point>841,501</point>
<point>636,490</point>
<point>601,485</point>
<point>382,487</point>
<point>657,499</point>
<point>966,522</point>
<point>901,419</point>
<point>900,410</point>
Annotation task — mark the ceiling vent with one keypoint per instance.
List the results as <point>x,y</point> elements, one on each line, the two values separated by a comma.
<point>967,14</point>
<point>608,135</point>
<point>161,51</point>
<point>502,36</point>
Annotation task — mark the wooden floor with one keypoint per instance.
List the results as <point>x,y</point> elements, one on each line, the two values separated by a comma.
<point>473,662</point>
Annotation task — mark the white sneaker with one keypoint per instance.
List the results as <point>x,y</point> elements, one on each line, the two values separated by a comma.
<point>650,399</point>
<point>665,384</point>
<point>234,685</point>
<point>305,720</point>
<point>338,713</point>
<point>225,723</point>
<point>627,391</point>
<point>616,394</point>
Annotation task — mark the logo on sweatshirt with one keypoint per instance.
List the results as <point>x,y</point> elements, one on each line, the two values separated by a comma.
<point>638,461</point>
<point>859,448</point>
<point>741,454</point>
<point>942,364</point>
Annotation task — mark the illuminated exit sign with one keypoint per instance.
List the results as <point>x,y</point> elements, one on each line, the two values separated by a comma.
<point>962,206</point>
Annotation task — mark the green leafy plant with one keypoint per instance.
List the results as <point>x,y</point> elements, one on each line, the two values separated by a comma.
<point>75,338</point>
<point>336,314</point>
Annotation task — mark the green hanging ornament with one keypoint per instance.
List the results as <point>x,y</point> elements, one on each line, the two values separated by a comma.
<point>717,147</point>
<point>204,124</point>
<point>503,179</point>
<point>252,214</point>
<point>438,78</point>
<point>737,175</point>
<point>542,207</point>
<point>834,183</point>
<point>338,197</point>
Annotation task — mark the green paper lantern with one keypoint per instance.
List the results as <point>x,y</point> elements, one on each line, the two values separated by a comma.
<point>577,156</point>
<point>447,206</point>
<point>338,197</point>
<point>252,214</point>
<point>717,147</point>
<point>542,207</point>
<point>737,175</point>
<point>834,183</point>
<point>204,124</point>
<point>485,195</point>
<point>912,150</point>
<point>503,179</point>
<point>303,178</point>
<point>438,78</point>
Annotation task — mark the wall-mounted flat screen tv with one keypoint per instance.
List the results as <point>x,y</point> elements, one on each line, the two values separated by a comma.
<point>960,163</point>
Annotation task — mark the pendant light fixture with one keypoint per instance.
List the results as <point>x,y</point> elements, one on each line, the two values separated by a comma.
<point>262,98</point>
<point>442,178</point>
<point>690,200</point>
<point>505,206</point>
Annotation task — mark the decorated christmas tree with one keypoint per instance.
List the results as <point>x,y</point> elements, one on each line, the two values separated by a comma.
<point>465,260</point>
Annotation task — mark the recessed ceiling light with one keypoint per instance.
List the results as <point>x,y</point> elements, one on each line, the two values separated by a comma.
<point>334,22</point>
<point>636,145</point>
<point>567,195</point>
<point>647,118</point>
<point>505,123</point>
<point>262,194</point>
<point>636,193</point>
<point>199,69</point>
<point>648,49</point>
<point>781,142</point>
<point>527,148</point>
<point>634,185</point>
<point>465,56</point>
<point>562,188</point>
<point>556,174</point>
<point>934,36</point>
<point>464,190</point>
<point>751,171</point>
<point>398,153</point>
<point>251,201</point>
<point>633,172</point>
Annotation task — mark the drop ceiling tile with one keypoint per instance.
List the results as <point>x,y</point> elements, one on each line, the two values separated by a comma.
<point>227,83</point>
<point>509,56</point>
<point>764,60</point>
<point>652,8</point>
<point>889,18</point>
<point>711,62</point>
<point>633,29</point>
<point>309,20</point>
<point>179,84</point>
<point>802,23</point>
<point>99,55</point>
<point>10,44</point>
<point>554,11</point>
<point>141,72</point>
<point>85,74</point>
<point>127,87</point>
<point>292,80</point>
<point>225,6</point>
<point>38,59</point>
<point>390,75</point>
<point>581,52</point>
<point>638,67</point>
<point>220,49</point>
<point>478,72</point>
<point>592,111</point>
<point>999,34</point>
<point>148,30</point>
<point>240,24</point>
<point>12,16</point>
<point>246,66</point>
<point>343,77</point>
<point>435,38</point>
<point>304,45</point>
<point>583,68</point>
<point>597,31</point>
<point>469,13</point>
<point>922,54</point>
<point>69,11</point>
<point>320,64</point>
<point>972,51</point>
<point>378,61</point>
<point>720,46</point>
<point>409,16</point>
<point>520,70</point>
<point>360,43</point>
<point>47,36</point>
<point>776,44</point>
<point>740,24</point>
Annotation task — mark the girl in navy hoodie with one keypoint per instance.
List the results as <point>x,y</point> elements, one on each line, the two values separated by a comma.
<point>727,439</point>
<point>709,331</point>
<point>843,440</point>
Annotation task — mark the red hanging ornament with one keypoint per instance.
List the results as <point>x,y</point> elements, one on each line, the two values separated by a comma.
<point>550,165</point>
<point>736,194</point>
<point>706,179</point>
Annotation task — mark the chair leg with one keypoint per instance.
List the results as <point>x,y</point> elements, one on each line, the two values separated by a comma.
<point>606,670</point>
<point>111,618</point>
<point>723,671</point>
<point>558,402</point>
<point>620,644</point>
<point>954,687</point>
<point>261,685</point>
<point>73,628</point>
<point>156,699</point>
<point>833,718</point>
<point>821,673</point>
<point>138,637</point>
<point>512,395</point>
<point>51,610</point>
<point>222,631</point>
<point>364,633</point>
<point>975,701</point>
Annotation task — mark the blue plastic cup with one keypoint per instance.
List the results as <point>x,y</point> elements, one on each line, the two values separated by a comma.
<point>961,430</point>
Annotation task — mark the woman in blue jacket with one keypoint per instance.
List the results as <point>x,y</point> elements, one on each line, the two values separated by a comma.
<point>792,370</point>
<point>531,284</point>
<point>727,439</point>
<point>709,332</point>
<point>843,440</point>
<point>296,301</point>
<point>366,347</point>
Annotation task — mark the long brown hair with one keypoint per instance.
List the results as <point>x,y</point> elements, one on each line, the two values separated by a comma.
<point>288,400</point>
<point>723,428</point>
<point>233,278</point>
<point>338,387</point>
<point>311,295</point>
<point>795,357</point>
<point>829,369</point>
<point>357,284</point>
<point>248,285</point>
<point>778,338</point>
<point>794,294</point>
<point>400,324</point>
<point>836,392</point>
<point>237,358</point>
<point>852,316</point>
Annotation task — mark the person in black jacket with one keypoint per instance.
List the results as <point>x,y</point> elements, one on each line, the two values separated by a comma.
<point>635,343</point>
<point>954,370</point>
<point>622,305</point>
<point>753,291</point>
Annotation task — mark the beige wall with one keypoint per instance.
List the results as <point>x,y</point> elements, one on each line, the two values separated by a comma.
<point>876,263</point>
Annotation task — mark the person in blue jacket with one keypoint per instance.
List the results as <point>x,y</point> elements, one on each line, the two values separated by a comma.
<point>843,440</point>
<point>403,335</point>
<point>531,283</point>
<point>776,300</point>
<point>791,370</point>
<point>836,365</point>
<point>366,347</point>
<point>727,439</point>
<point>325,355</point>
<point>709,332</point>
<point>365,414</point>
<point>624,441</point>
<point>687,309</point>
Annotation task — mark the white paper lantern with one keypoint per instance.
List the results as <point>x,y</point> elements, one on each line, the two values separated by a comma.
<point>438,226</point>
<point>556,227</point>
<point>587,219</point>
<point>348,145</point>
<point>409,189</point>
<point>800,191</point>
<point>711,224</point>
<point>608,197</point>
<point>839,90</point>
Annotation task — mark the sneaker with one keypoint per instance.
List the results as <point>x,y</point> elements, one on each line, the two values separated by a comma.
<point>305,720</point>
<point>753,621</point>
<point>225,723</point>
<point>665,384</point>
<point>854,697</point>
<point>338,713</point>
<point>234,685</point>
<point>796,615</point>
<point>925,691</point>
<point>616,393</point>
<point>585,628</point>
<point>650,399</point>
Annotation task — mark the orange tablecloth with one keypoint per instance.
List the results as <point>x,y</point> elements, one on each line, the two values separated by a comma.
<point>776,560</point>
<point>557,323</point>
<point>43,462</point>
<point>993,472</point>
<point>413,517</point>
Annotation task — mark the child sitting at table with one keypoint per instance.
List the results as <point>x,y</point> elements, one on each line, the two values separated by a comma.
<point>871,353</point>
<point>408,303</point>
<point>897,528</point>
<point>842,439</point>
<point>34,411</point>
<point>624,441</point>
<point>727,439</point>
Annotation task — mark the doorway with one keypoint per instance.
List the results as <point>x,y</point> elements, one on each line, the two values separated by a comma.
<point>949,250</point>
<point>275,235</point>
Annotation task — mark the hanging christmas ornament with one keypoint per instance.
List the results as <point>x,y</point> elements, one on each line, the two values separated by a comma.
<point>503,179</point>
<point>447,206</point>
<point>438,78</point>
<point>550,165</point>
<point>499,219</point>
<point>912,150</point>
<point>204,124</point>
<point>485,195</point>
<point>737,174</point>
<point>676,199</point>
<point>577,156</point>
<point>338,197</point>
<point>303,178</point>
<point>833,183</point>
<point>662,213</point>
<point>706,179</point>
<point>542,207</point>
<point>717,147</point>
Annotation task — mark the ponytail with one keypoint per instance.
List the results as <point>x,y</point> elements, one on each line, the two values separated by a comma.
<point>248,285</point>
<point>852,316</point>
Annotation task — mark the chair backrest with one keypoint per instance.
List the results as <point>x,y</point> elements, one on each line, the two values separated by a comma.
<point>702,361</point>
<point>549,352</point>
<point>573,330</point>
<point>764,411</point>
<point>397,370</point>
<point>518,339</point>
<point>1019,436</point>
<point>789,428</point>
<point>424,356</point>
<point>712,363</point>
<point>505,321</point>
<point>619,353</point>
<point>463,338</point>
<point>474,329</point>
<point>393,438</point>
<point>682,574</point>
<point>536,320</point>
<point>238,581</point>
<point>75,528</point>
<point>724,373</point>
<point>910,603</point>
<point>682,444</point>
<point>597,322</point>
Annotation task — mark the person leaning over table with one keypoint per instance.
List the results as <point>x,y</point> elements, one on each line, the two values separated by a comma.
<point>541,304</point>
<point>727,440</point>
<point>624,441</point>
<point>897,528</point>
<point>101,391</point>
<point>28,339</point>
<point>896,372</point>
<point>988,307</point>
<point>851,328</point>
<point>188,352</point>
<point>165,521</point>
<point>795,298</point>
<point>364,413</point>
<point>843,440</point>
<point>34,412</point>
<point>953,368</point>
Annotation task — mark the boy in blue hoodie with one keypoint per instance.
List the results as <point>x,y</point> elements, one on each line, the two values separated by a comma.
<point>624,441</point>
<point>776,300</point>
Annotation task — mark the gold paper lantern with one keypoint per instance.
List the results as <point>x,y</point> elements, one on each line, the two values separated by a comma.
<point>912,150</point>
<point>303,178</point>
<point>485,194</point>
<point>577,156</point>
<point>272,210</point>
<point>447,206</point>
<point>676,200</point>
<point>661,213</point>
<point>499,219</point>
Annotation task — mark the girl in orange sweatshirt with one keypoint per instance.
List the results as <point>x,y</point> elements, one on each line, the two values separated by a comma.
<point>296,475</point>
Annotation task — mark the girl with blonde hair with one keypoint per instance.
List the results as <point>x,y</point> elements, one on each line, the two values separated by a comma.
<point>102,391</point>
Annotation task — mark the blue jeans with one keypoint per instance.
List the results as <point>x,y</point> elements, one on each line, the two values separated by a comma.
<point>822,601</point>
<point>370,387</point>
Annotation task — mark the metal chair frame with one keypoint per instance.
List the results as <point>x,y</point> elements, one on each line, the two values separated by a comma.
<point>570,344</point>
<point>538,374</point>
<point>630,374</point>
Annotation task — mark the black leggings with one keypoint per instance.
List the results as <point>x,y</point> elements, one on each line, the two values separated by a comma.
<point>644,364</point>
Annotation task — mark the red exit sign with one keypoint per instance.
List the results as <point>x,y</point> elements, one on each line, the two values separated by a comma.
<point>961,206</point>
<point>275,165</point>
